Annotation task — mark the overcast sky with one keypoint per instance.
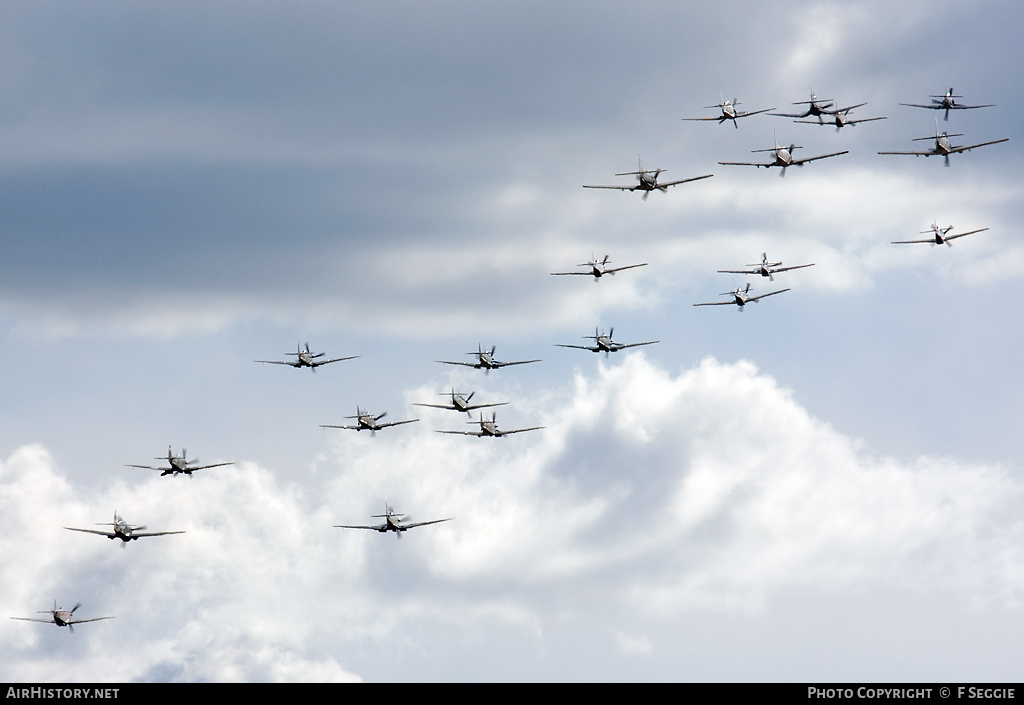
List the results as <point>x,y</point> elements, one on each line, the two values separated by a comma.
<point>826,486</point>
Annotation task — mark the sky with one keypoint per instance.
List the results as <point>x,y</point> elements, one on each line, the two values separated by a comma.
<point>824,486</point>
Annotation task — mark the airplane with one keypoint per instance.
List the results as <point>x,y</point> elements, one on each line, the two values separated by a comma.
<point>741,297</point>
<point>783,157</point>
<point>486,360</point>
<point>597,268</point>
<point>939,236</point>
<point>366,421</point>
<point>814,107</point>
<point>841,118</point>
<point>460,402</point>
<point>648,180</point>
<point>178,464</point>
<point>123,530</point>
<point>304,358</point>
<point>728,109</point>
<point>392,522</point>
<point>947,102</point>
<point>943,146</point>
<point>765,268</point>
<point>62,617</point>
<point>490,428</point>
<point>604,343</point>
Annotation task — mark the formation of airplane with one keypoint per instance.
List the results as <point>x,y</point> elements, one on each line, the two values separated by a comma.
<point>460,402</point>
<point>946,102</point>
<point>178,464</point>
<point>648,180</point>
<point>486,360</point>
<point>392,522</point>
<point>765,268</point>
<point>490,428</point>
<point>598,268</point>
<point>123,530</point>
<point>815,106</point>
<point>304,358</point>
<point>783,157</point>
<point>62,617</point>
<point>944,147</point>
<point>604,343</point>
<point>939,236</point>
<point>841,118</point>
<point>728,108</point>
<point>741,297</point>
<point>366,421</point>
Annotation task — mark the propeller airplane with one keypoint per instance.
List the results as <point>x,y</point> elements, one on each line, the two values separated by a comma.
<point>366,421</point>
<point>943,147</point>
<point>741,297</point>
<point>304,358</point>
<point>598,268</point>
<point>123,530</point>
<point>604,343</point>
<point>939,236</point>
<point>392,522</point>
<point>728,108</point>
<point>62,617</point>
<point>946,102</point>
<point>460,402</point>
<point>490,428</point>
<point>765,268</point>
<point>648,180</point>
<point>178,464</point>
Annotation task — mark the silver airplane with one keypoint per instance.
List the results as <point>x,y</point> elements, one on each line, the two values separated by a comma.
<point>304,358</point>
<point>947,102</point>
<point>783,157</point>
<point>392,522</point>
<point>123,530</point>
<point>604,343</point>
<point>598,268</point>
<point>944,147</point>
<point>485,360</point>
<point>765,268</point>
<point>62,617</point>
<point>815,106</point>
<point>460,402</point>
<point>365,421</point>
<point>939,236</point>
<point>648,180</point>
<point>841,118</point>
<point>728,108</point>
<point>178,464</point>
<point>741,297</point>
<point>490,428</point>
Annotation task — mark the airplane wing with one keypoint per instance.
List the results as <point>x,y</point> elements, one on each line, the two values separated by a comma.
<point>579,347</point>
<point>854,122</point>
<point>337,359</point>
<point>501,403</point>
<point>740,271</point>
<point>520,362</point>
<point>753,112</point>
<point>519,430</point>
<point>911,242</point>
<point>959,150</point>
<point>795,266</point>
<point>619,346</point>
<point>425,523</point>
<point>379,527</point>
<point>716,117</point>
<point>717,303</point>
<point>843,110</point>
<point>205,467</point>
<point>155,533</point>
<point>580,274</point>
<point>969,232</point>
<point>746,164</point>
<point>770,293</point>
<point>938,106</point>
<point>396,423</point>
<point>149,467</point>
<point>619,269</point>
<point>618,188</point>
<point>683,181</point>
<point>278,362</point>
<point>916,154</point>
<point>100,532</point>
<point>83,621</point>
<point>797,162</point>
<point>466,364</point>
<point>462,433</point>
<point>450,407</point>
<point>34,619</point>
<point>350,428</point>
